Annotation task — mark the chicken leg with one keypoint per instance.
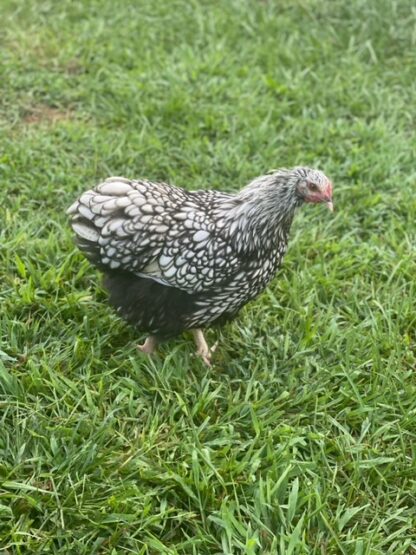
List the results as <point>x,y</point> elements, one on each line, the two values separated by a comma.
<point>149,346</point>
<point>202,346</point>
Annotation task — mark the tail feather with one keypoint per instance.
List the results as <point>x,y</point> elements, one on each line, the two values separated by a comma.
<point>94,211</point>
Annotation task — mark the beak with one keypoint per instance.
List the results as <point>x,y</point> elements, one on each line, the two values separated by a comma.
<point>328,196</point>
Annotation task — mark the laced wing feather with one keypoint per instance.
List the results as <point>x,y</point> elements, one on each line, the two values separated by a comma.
<point>154,230</point>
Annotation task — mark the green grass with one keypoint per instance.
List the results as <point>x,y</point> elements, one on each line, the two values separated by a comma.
<point>302,438</point>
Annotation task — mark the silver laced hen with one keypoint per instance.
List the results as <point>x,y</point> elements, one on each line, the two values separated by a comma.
<point>177,260</point>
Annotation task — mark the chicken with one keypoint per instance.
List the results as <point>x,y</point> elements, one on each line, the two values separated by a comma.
<point>176,260</point>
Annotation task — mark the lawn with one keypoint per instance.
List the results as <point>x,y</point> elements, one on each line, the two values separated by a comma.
<point>302,437</point>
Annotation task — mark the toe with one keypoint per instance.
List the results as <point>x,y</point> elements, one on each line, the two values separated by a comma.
<point>207,360</point>
<point>206,356</point>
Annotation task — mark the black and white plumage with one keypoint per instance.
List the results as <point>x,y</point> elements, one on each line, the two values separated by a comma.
<point>175,260</point>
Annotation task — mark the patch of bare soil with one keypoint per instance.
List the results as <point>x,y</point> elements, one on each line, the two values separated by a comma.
<point>46,114</point>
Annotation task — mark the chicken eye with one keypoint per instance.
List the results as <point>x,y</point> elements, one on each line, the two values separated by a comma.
<point>312,186</point>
